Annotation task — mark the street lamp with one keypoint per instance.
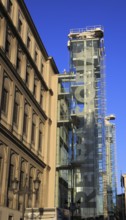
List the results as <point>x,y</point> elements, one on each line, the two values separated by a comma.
<point>25,190</point>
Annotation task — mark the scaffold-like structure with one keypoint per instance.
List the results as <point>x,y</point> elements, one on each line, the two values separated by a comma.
<point>81,107</point>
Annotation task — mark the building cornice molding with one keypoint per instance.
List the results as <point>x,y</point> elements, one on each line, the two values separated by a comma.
<point>32,26</point>
<point>36,34</point>
<point>52,61</point>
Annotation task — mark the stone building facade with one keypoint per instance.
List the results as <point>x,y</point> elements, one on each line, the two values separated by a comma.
<point>28,108</point>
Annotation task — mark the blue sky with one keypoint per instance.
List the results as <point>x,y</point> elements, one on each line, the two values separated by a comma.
<point>54,19</point>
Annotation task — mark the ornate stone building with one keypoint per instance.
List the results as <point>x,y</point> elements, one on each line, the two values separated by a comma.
<point>28,109</point>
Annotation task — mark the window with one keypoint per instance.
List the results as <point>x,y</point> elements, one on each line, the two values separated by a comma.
<point>36,56</point>
<point>42,66</point>
<point>20,25</point>
<point>18,64</point>
<point>27,77</point>
<point>30,182</point>
<point>77,47</point>
<point>11,174</point>
<point>22,175</point>
<point>41,99</point>
<point>19,56</point>
<point>16,111</point>
<point>89,43</point>
<point>8,42</point>
<point>28,70</point>
<point>33,132</point>
<point>9,6</point>
<point>7,47</point>
<point>40,140</point>
<point>28,42</point>
<point>40,137</point>
<point>35,87</point>
<point>5,94</point>
<point>4,101</point>
<point>25,124</point>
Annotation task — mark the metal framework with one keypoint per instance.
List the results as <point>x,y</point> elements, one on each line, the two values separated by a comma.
<point>81,102</point>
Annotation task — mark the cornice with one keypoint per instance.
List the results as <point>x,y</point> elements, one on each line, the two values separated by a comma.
<point>56,71</point>
<point>36,34</point>
<point>32,26</point>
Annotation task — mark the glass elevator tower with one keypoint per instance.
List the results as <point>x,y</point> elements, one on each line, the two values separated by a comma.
<point>83,153</point>
<point>87,112</point>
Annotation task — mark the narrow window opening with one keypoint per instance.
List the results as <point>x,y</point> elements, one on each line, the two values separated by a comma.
<point>19,25</point>
<point>9,6</point>
<point>11,174</point>
<point>19,55</point>
<point>16,113</point>
<point>40,141</point>
<point>4,101</point>
<point>28,42</point>
<point>36,56</point>
<point>25,124</point>
<point>33,132</point>
<point>22,179</point>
